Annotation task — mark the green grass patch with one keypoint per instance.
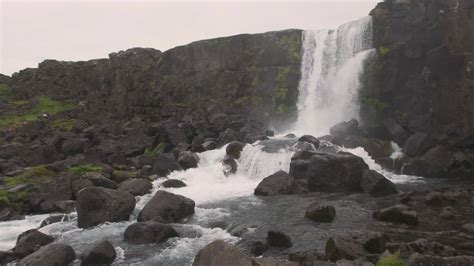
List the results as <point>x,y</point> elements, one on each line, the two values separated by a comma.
<point>13,200</point>
<point>5,91</point>
<point>391,260</point>
<point>85,168</point>
<point>293,44</point>
<point>63,124</point>
<point>157,150</point>
<point>35,175</point>
<point>383,50</point>
<point>45,104</point>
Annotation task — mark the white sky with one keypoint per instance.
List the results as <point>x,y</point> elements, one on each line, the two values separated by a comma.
<point>32,31</point>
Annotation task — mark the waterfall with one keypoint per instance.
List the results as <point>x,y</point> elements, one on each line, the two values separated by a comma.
<point>332,63</point>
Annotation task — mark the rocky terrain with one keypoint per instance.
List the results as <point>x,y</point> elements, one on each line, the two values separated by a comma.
<point>91,138</point>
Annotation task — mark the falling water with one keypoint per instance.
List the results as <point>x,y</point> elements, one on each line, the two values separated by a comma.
<point>332,64</point>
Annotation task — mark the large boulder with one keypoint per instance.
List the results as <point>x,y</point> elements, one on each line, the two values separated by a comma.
<point>343,129</point>
<point>376,184</point>
<point>52,254</point>
<point>149,232</point>
<point>101,253</point>
<point>187,159</point>
<point>96,205</point>
<point>168,207</point>
<point>417,144</point>
<point>434,163</point>
<point>99,180</point>
<point>173,183</point>
<point>375,148</point>
<point>399,214</point>
<point>310,139</point>
<point>164,164</point>
<point>230,165</point>
<point>278,239</point>
<point>234,149</point>
<point>279,183</point>
<point>328,172</point>
<point>29,242</point>
<point>220,253</point>
<point>136,186</point>
<point>352,245</point>
<point>320,212</point>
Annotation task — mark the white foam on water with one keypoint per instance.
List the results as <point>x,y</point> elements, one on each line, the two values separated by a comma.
<point>10,230</point>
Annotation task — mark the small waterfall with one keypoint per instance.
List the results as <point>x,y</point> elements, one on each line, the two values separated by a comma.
<point>331,67</point>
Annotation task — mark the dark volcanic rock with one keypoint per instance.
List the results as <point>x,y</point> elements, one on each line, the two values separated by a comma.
<point>320,212</point>
<point>52,254</point>
<point>375,148</point>
<point>220,253</point>
<point>99,180</point>
<point>234,149</point>
<point>101,253</point>
<point>29,242</point>
<point>54,219</point>
<point>173,183</point>
<point>279,183</point>
<point>258,247</point>
<point>434,198</point>
<point>171,208</point>
<point>278,239</point>
<point>149,232</point>
<point>96,205</point>
<point>310,139</point>
<point>187,159</point>
<point>344,129</point>
<point>328,171</point>
<point>165,163</point>
<point>376,184</point>
<point>136,187</point>
<point>399,214</point>
<point>344,246</point>
<point>434,163</point>
<point>418,144</point>
<point>230,165</point>
<point>417,259</point>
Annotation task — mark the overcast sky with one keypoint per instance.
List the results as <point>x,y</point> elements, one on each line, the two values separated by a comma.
<point>32,31</point>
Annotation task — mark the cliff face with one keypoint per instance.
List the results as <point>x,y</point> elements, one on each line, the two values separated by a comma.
<point>254,74</point>
<point>422,78</point>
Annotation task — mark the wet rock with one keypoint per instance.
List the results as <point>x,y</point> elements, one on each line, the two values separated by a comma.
<point>96,205</point>
<point>252,138</point>
<point>417,259</point>
<point>428,247</point>
<point>399,214</point>
<point>175,183</point>
<point>310,139</point>
<point>457,196</point>
<point>165,163</point>
<point>99,180</point>
<point>308,257</point>
<point>278,239</point>
<point>375,242</point>
<point>187,159</point>
<point>57,218</point>
<point>343,129</point>
<point>29,242</point>
<point>434,198</point>
<point>434,163</point>
<point>218,224</point>
<point>149,232</point>
<point>238,230</point>
<point>101,253</point>
<point>376,184</point>
<point>258,247</point>
<point>136,187</point>
<point>79,184</point>
<point>66,206</point>
<point>234,149</point>
<point>168,206</point>
<point>375,148</point>
<point>344,246</point>
<point>320,212</point>
<point>418,144</point>
<point>328,172</point>
<point>269,133</point>
<point>447,214</point>
<point>271,261</point>
<point>280,183</point>
<point>230,165</point>
<point>290,136</point>
<point>52,254</point>
<point>220,253</point>
<point>209,145</point>
<point>469,227</point>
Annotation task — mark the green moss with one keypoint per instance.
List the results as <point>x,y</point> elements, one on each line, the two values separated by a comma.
<point>157,150</point>
<point>5,91</point>
<point>85,168</point>
<point>383,50</point>
<point>63,124</point>
<point>293,45</point>
<point>44,104</point>
<point>152,84</point>
<point>375,103</point>
<point>14,200</point>
<point>35,175</point>
<point>280,90</point>
<point>391,260</point>
<point>282,109</point>
<point>246,100</point>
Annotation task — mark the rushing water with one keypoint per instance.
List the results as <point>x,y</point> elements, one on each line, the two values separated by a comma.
<point>332,64</point>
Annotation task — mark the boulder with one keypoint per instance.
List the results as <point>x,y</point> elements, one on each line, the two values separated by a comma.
<point>278,239</point>
<point>434,163</point>
<point>29,242</point>
<point>376,184</point>
<point>399,214</point>
<point>74,146</point>
<point>164,164</point>
<point>320,212</point>
<point>428,247</point>
<point>230,165</point>
<point>375,242</point>
<point>51,193</point>
<point>343,129</point>
<point>220,253</point>
<point>136,187</point>
<point>417,259</point>
<point>279,183</point>
<point>52,254</point>
<point>101,253</point>
<point>447,213</point>
<point>375,148</point>
<point>417,144</point>
<point>148,232</point>
<point>234,149</point>
<point>328,172</point>
<point>79,184</point>
<point>96,205</point>
<point>344,246</point>
<point>209,145</point>
<point>174,183</point>
<point>171,208</point>
<point>187,159</point>
<point>434,198</point>
<point>258,247</point>
<point>310,139</point>
<point>56,218</point>
<point>99,180</point>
